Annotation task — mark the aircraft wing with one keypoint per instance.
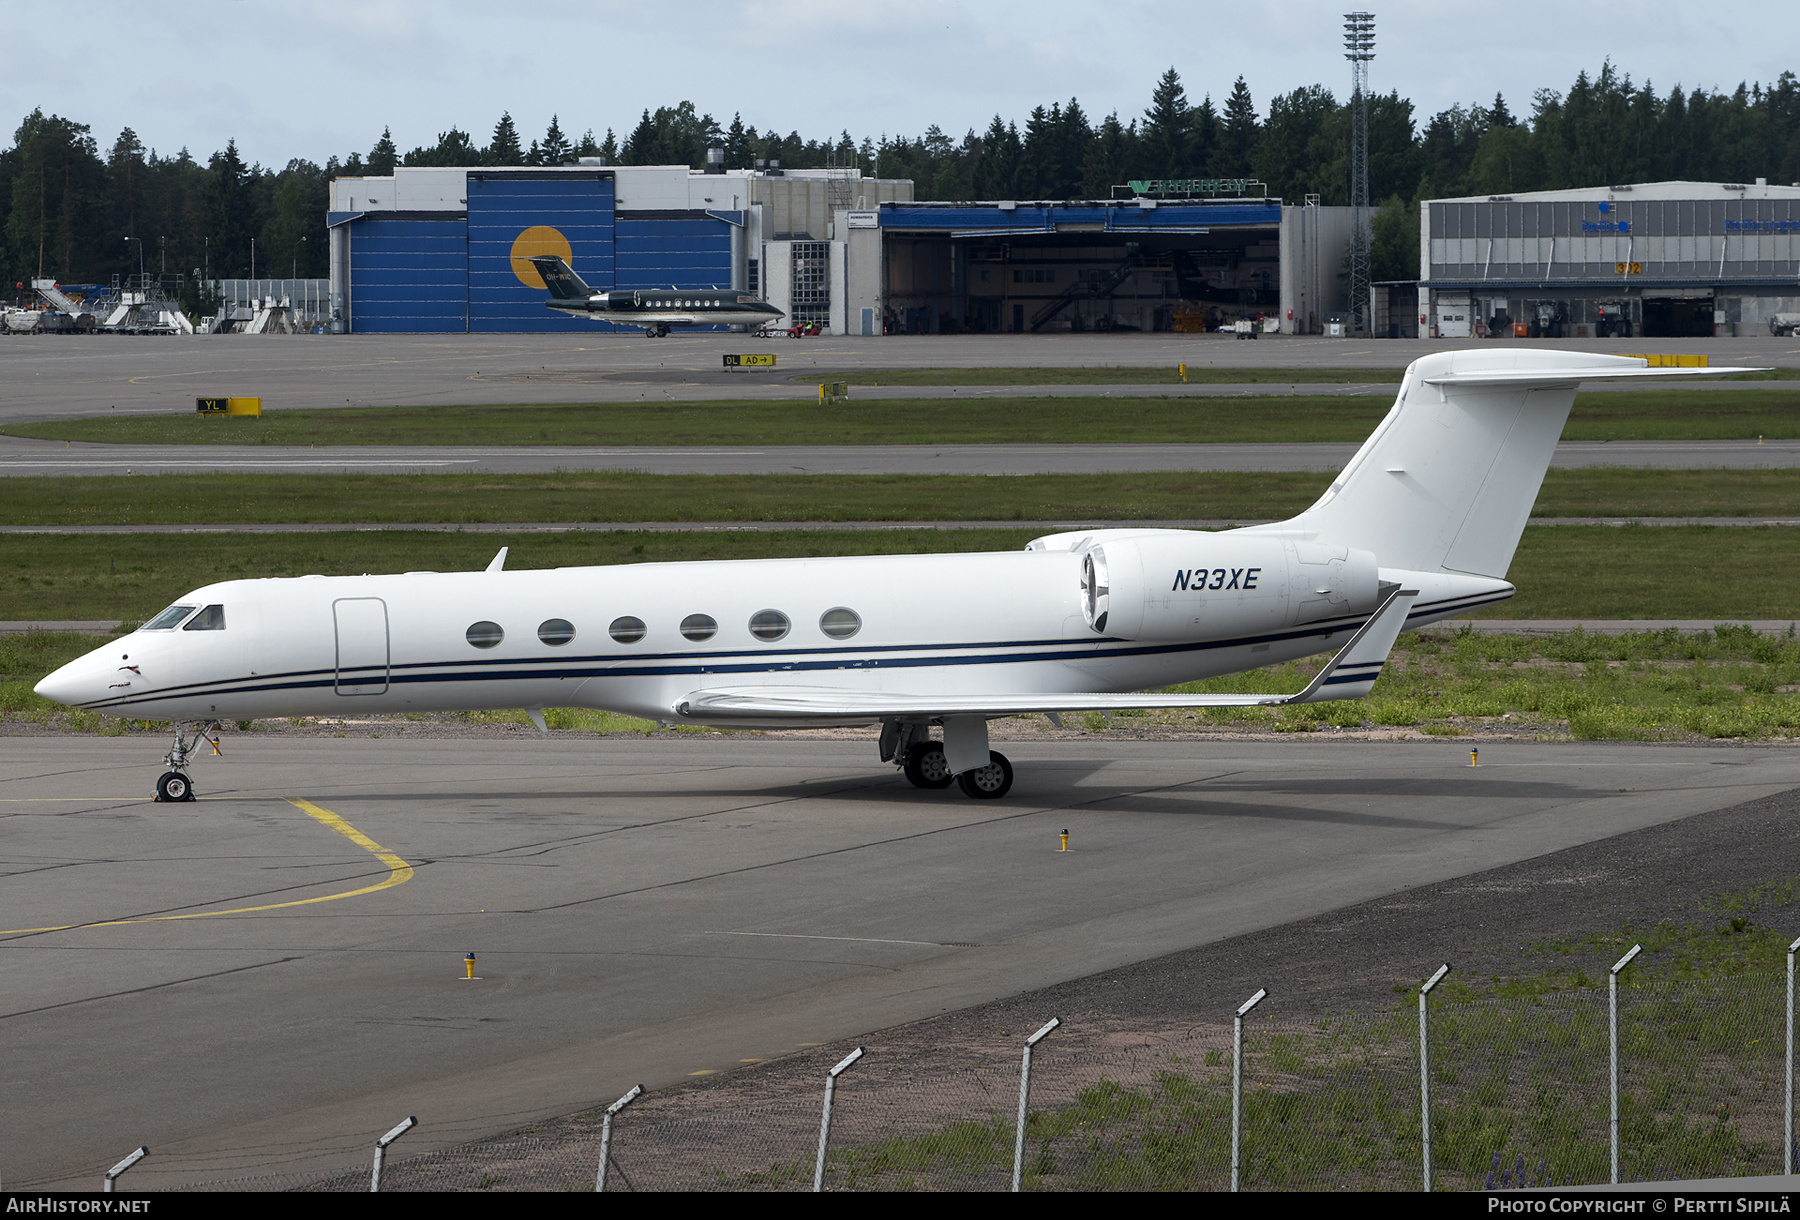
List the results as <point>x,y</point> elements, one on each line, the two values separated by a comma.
<point>1348,675</point>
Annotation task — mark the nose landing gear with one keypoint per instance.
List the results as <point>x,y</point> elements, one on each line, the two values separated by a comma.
<point>174,785</point>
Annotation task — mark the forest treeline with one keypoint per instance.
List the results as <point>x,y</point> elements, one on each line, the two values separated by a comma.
<point>74,211</point>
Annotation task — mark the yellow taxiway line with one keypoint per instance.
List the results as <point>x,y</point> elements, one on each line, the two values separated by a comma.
<point>399,872</point>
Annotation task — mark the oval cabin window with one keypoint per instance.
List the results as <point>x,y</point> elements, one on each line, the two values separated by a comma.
<point>556,631</point>
<point>698,627</point>
<point>840,623</point>
<point>769,625</point>
<point>485,634</point>
<point>626,629</point>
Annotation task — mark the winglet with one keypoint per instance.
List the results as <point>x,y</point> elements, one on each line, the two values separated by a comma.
<point>499,563</point>
<point>1352,672</point>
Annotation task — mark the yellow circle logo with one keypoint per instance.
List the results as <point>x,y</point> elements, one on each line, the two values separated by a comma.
<point>537,242</point>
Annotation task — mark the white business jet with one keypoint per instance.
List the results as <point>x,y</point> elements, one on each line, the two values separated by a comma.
<point>1420,526</point>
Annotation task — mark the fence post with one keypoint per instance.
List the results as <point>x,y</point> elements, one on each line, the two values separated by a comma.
<point>1425,1071</point>
<point>1237,1079</point>
<point>606,1134</point>
<point>400,1129</point>
<point>1787,1156</point>
<point>1612,996</point>
<point>106,1186</point>
<point>825,1118</point>
<point>1025,1097</point>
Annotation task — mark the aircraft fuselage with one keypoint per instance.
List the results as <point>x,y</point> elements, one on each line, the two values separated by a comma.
<point>636,639</point>
<point>671,307</point>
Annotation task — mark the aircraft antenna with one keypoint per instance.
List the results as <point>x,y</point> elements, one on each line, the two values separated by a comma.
<point>1359,49</point>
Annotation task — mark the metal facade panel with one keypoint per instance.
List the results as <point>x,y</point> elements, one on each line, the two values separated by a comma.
<point>503,207</point>
<point>685,252</point>
<point>1621,242</point>
<point>408,275</point>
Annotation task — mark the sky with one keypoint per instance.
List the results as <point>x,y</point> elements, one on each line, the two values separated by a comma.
<point>322,78</point>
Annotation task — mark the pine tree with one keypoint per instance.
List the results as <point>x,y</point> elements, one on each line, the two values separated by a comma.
<point>1203,142</point>
<point>1238,141</point>
<point>1166,129</point>
<point>504,149</point>
<point>383,157</point>
<point>1498,115</point>
<point>1109,158</point>
<point>228,191</point>
<point>555,149</point>
<point>125,165</point>
<point>738,152</point>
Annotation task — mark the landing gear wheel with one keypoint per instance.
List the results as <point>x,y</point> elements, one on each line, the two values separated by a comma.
<point>174,786</point>
<point>989,782</point>
<point>926,766</point>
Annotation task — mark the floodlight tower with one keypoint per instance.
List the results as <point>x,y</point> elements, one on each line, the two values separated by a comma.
<point>1359,49</point>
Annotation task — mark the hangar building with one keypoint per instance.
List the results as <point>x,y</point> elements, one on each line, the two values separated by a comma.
<point>1144,263</point>
<point>446,250</point>
<point>1674,259</point>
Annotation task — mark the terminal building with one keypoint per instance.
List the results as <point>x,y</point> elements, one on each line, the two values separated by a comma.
<point>447,250</point>
<point>1659,259</point>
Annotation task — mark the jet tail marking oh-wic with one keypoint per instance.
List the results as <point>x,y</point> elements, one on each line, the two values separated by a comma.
<point>1420,526</point>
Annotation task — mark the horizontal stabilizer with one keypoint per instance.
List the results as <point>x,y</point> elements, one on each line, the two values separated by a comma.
<point>1573,374</point>
<point>1348,675</point>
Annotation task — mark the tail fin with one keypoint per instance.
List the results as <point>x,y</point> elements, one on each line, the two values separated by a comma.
<point>563,283</point>
<point>1447,480</point>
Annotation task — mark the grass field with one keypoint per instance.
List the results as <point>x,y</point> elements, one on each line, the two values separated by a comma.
<point>1168,374</point>
<point>182,499</point>
<point>1198,373</point>
<point>1563,572</point>
<point>1665,685</point>
<point>1519,1083</point>
<point>1641,415</point>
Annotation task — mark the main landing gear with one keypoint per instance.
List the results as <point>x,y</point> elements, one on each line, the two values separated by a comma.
<point>655,331</point>
<point>922,760</point>
<point>174,785</point>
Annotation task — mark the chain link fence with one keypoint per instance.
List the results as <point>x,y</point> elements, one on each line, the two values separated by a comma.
<point>1519,1096</point>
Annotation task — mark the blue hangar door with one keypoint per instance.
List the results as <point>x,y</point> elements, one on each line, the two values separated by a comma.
<point>409,273</point>
<point>675,249</point>
<point>514,215</point>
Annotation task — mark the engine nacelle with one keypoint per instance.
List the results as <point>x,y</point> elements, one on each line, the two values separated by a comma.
<point>1188,585</point>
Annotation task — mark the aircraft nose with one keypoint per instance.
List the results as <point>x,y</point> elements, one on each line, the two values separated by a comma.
<point>76,684</point>
<point>61,687</point>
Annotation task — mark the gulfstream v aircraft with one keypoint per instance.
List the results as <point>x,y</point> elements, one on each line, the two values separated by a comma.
<point>1421,525</point>
<point>653,309</point>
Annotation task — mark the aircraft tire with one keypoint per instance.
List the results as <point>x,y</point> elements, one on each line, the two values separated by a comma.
<point>925,766</point>
<point>174,786</point>
<point>990,782</point>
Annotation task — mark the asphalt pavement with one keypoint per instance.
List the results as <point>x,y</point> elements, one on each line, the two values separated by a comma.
<point>264,980</point>
<point>27,457</point>
<point>61,376</point>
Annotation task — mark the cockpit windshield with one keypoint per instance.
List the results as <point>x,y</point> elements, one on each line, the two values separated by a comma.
<point>210,619</point>
<point>167,619</point>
